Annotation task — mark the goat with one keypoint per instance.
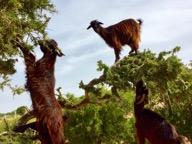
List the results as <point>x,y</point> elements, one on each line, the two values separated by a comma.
<point>149,124</point>
<point>41,84</point>
<point>120,34</point>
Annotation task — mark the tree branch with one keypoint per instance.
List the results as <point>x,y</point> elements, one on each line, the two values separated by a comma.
<point>22,128</point>
<point>65,104</point>
<point>24,119</point>
<point>90,86</point>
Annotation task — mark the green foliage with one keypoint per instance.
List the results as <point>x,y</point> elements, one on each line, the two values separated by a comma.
<point>22,110</point>
<point>5,82</point>
<point>106,123</point>
<point>17,90</point>
<point>7,136</point>
<point>168,79</point>
<point>159,69</point>
<point>7,66</point>
<point>17,138</point>
<point>111,120</point>
<point>114,124</point>
<point>20,19</point>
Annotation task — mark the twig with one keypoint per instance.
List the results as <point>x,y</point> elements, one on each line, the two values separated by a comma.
<point>90,86</point>
<point>84,102</point>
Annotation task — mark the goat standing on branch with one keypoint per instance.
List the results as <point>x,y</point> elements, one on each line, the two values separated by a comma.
<point>41,85</point>
<point>151,125</point>
<point>126,32</point>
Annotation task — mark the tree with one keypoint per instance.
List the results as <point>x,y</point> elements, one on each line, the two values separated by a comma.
<point>23,24</point>
<point>26,19</point>
<point>100,115</point>
<point>168,79</point>
<point>104,113</point>
<point>22,110</point>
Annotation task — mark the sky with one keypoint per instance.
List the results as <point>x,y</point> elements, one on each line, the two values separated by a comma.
<point>166,24</point>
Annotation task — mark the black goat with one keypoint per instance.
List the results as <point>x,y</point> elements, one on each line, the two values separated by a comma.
<point>151,125</point>
<point>126,32</point>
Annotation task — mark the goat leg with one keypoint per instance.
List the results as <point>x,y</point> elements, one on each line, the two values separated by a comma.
<point>117,54</point>
<point>134,48</point>
<point>22,128</point>
<point>140,137</point>
<point>28,56</point>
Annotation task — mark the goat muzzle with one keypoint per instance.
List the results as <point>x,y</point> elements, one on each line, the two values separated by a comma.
<point>59,52</point>
<point>89,27</point>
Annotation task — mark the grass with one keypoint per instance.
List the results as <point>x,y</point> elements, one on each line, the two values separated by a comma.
<point>7,122</point>
<point>7,136</point>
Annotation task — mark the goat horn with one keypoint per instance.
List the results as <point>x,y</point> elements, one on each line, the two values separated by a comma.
<point>142,99</point>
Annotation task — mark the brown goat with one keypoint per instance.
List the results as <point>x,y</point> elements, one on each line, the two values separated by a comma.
<point>149,124</point>
<point>126,32</point>
<point>41,84</point>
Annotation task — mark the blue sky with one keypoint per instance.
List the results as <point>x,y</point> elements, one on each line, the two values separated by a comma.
<point>166,24</point>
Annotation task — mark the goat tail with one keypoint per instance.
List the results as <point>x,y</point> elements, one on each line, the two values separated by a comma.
<point>140,21</point>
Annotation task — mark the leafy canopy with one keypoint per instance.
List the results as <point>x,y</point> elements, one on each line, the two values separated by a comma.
<point>23,19</point>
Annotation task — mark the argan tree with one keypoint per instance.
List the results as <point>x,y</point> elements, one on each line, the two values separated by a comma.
<point>26,19</point>
<point>22,26</point>
<point>167,77</point>
<point>104,113</point>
